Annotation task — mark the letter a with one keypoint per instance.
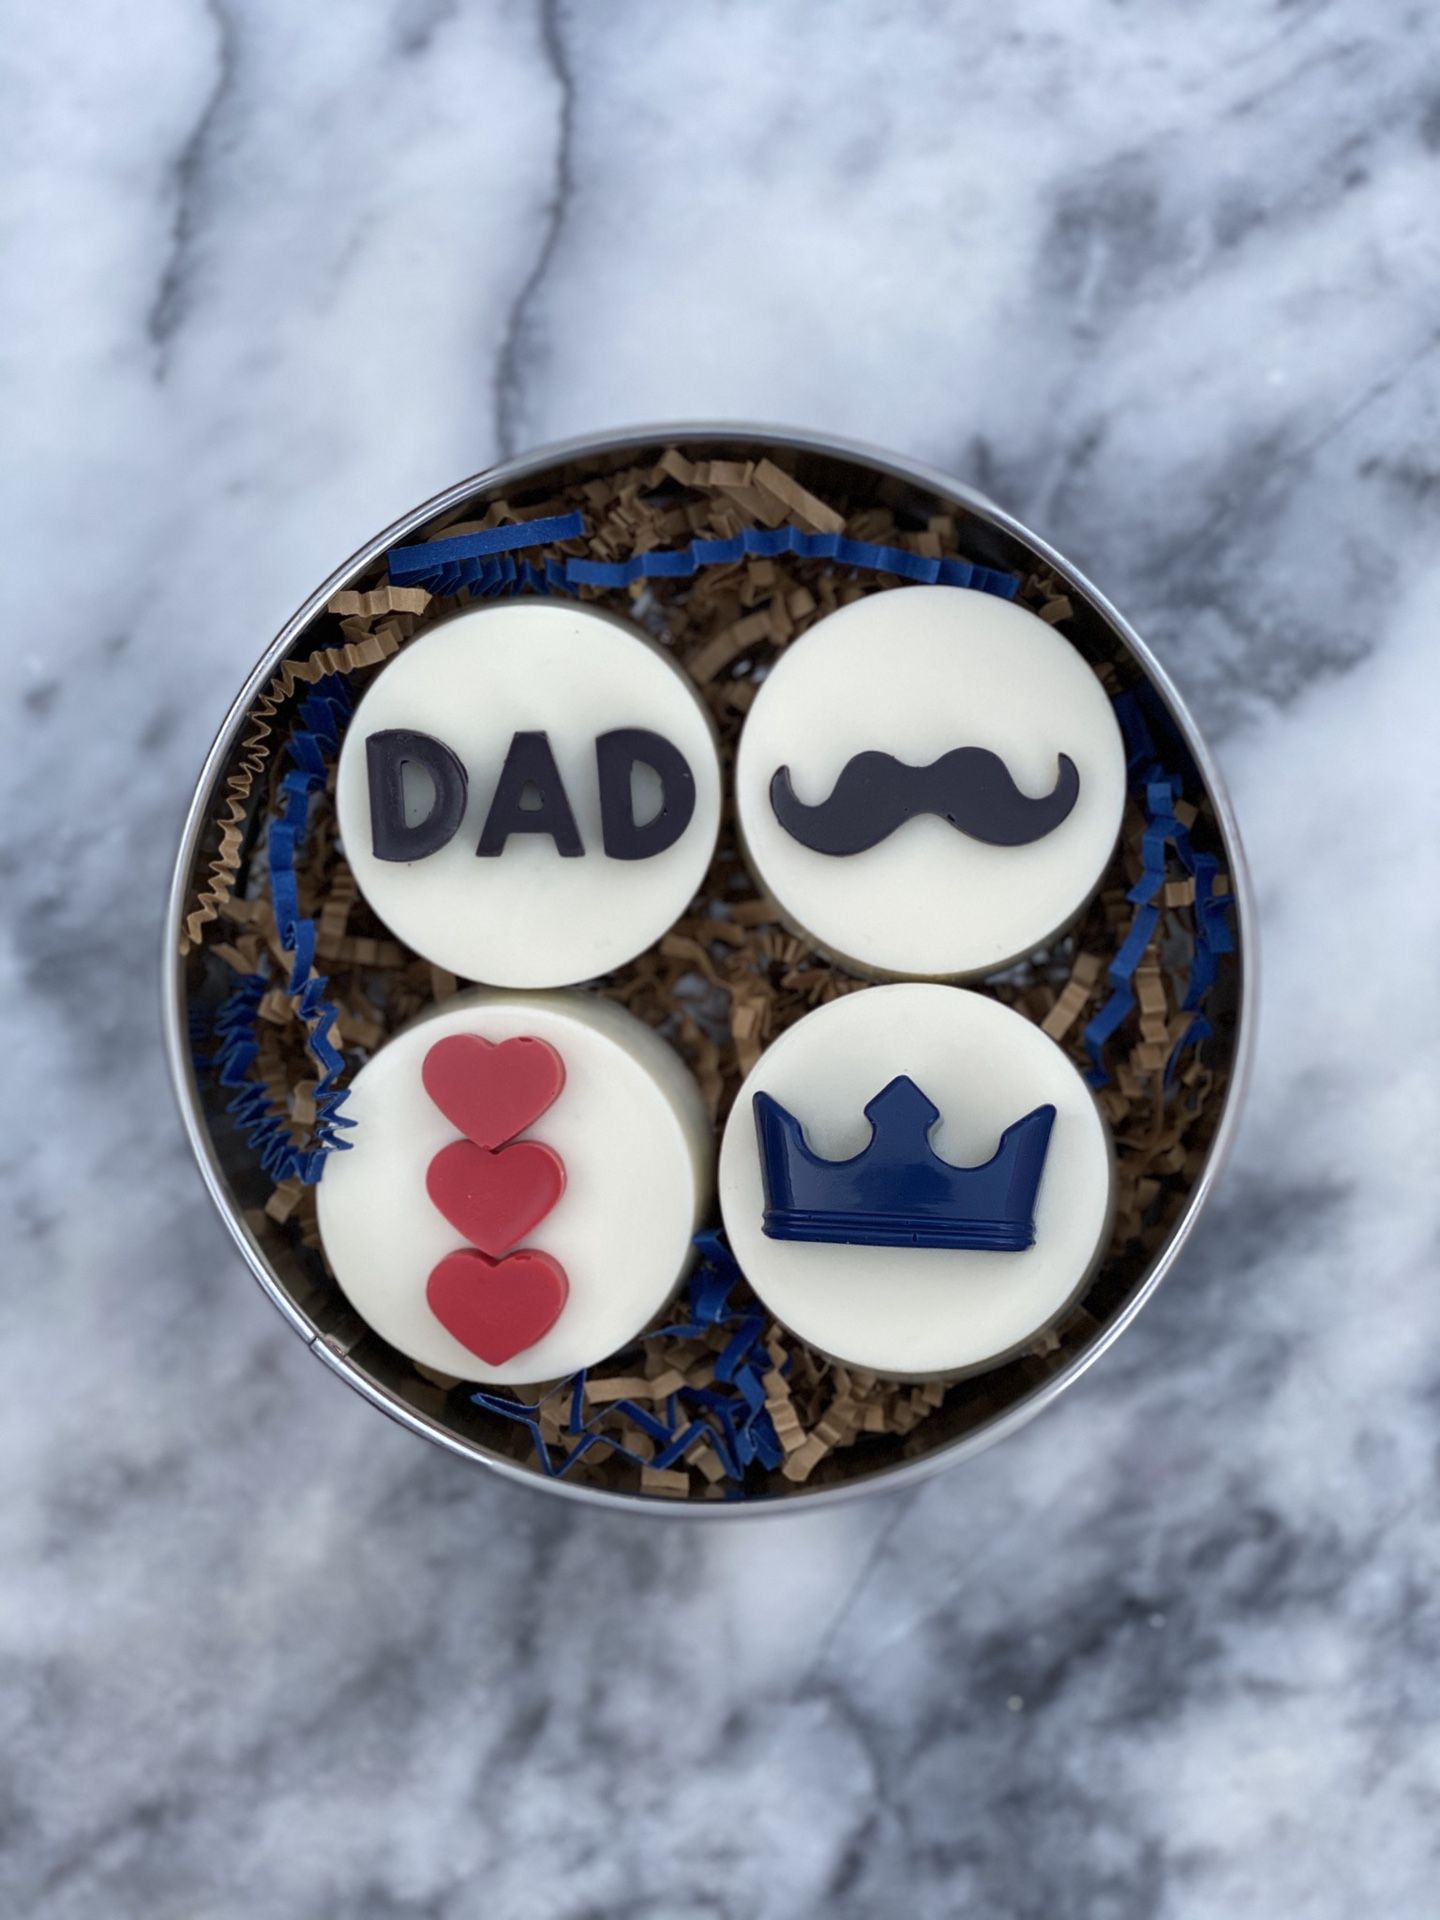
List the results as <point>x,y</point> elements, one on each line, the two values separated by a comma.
<point>530,763</point>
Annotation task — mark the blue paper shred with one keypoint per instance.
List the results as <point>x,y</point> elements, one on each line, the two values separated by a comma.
<point>767,543</point>
<point>1159,790</point>
<point>323,714</point>
<point>463,557</point>
<point>483,563</point>
<point>730,1416</point>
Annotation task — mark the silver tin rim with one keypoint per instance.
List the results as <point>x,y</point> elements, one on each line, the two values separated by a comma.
<point>187,1093</point>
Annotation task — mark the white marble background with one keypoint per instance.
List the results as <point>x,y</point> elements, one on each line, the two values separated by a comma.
<point>1162,278</point>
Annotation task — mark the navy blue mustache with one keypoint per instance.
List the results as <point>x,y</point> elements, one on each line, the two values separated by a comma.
<point>970,787</point>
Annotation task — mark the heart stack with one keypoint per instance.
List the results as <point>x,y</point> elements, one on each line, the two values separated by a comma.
<point>495,1189</point>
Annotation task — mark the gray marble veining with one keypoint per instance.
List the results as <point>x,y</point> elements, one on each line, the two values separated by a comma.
<point>1163,280</point>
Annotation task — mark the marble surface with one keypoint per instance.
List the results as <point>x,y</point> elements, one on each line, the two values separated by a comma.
<point>1163,280</point>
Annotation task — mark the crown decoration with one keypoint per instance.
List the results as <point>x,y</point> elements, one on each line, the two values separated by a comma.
<point>897,1191</point>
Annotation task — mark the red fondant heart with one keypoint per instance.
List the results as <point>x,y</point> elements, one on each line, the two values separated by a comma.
<point>495,1198</point>
<point>497,1308</point>
<point>492,1093</point>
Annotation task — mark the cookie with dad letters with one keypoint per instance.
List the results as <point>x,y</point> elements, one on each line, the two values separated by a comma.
<point>529,794</point>
<point>930,783</point>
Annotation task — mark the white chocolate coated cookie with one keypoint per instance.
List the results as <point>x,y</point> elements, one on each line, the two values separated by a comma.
<point>529,794</point>
<point>920,1307</point>
<point>526,1177</point>
<point>991,832</point>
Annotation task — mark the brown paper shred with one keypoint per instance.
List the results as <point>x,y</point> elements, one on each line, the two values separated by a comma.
<point>623,1386</point>
<point>284,1200</point>
<point>731,696</point>
<point>361,1024</point>
<point>673,465</point>
<point>797,500</point>
<point>334,916</point>
<point>727,932</point>
<point>380,600</point>
<point>753,913</point>
<point>253,759</point>
<point>362,952</point>
<point>443,984</point>
<point>680,946</point>
<point>799,1465</point>
<point>1084,978</point>
<point>275,1007</point>
<point>664,1480</point>
<point>728,645</point>
<point>756,978</point>
<point>708,1463</point>
<point>748,1021</point>
<point>243,954</point>
<point>873,523</point>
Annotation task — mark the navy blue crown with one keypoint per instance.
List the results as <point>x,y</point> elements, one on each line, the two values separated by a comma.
<point>898,1192</point>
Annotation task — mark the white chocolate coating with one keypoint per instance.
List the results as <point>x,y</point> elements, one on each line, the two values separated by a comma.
<point>530,917</point>
<point>917,1311</point>
<point>636,1141</point>
<point>916,672</point>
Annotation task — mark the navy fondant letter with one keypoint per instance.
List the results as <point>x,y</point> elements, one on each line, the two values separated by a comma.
<point>386,755</point>
<point>616,756</point>
<point>530,765</point>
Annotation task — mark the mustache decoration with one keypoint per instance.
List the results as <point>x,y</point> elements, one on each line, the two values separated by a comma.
<point>970,787</point>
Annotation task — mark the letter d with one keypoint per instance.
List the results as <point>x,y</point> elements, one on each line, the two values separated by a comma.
<point>616,756</point>
<point>386,756</point>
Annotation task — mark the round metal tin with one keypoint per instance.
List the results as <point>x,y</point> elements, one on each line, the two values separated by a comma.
<point>332,1332</point>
